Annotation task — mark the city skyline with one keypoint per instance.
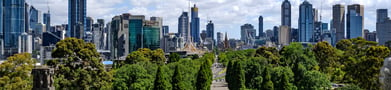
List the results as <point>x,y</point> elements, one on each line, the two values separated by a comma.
<point>222,12</point>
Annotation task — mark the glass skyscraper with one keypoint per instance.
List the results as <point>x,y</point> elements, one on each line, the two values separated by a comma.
<point>195,25</point>
<point>338,22</point>
<point>14,24</point>
<point>135,34</point>
<point>46,20</point>
<point>306,22</point>
<point>77,10</point>
<point>286,13</point>
<point>260,27</point>
<point>355,21</point>
<point>35,17</point>
<point>210,30</point>
<point>183,26</point>
<point>151,37</point>
<point>166,30</point>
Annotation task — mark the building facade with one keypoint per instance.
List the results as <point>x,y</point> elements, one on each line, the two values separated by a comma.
<point>14,24</point>
<point>195,25</point>
<point>338,22</point>
<point>260,27</point>
<point>183,26</point>
<point>286,13</point>
<point>284,35</point>
<point>210,30</point>
<point>77,14</point>
<point>383,27</point>
<point>355,21</point>
<point>306,23</point>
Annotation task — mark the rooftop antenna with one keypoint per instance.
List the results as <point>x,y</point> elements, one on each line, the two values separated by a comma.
<point>47,3</point>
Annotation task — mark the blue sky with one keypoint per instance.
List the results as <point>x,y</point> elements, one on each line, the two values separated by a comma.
<point>227,15</point>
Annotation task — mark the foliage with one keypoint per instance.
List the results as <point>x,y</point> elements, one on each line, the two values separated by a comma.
<point>15,72</point>
<point>253,72</point>
<point>238,77</point>
<point>132,77</point>
<point>350,87</point>
<point>204,77</point>
<point>283,78</point>
<point>80,66</point>
<point>314,80</point>
<point>161,82</point>
<point>146,55</point>
<point>177,79</point>
<point>173,57</point>
<point>267,82</point>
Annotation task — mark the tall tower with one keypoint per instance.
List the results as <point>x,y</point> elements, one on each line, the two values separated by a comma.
<point>14,18</point>
<point>355,21</point>
<point>260,27</point>
<point>195,25</point>
<point>210,30</point>
<point>286,13</point>
<point>77,10</point>
<point>338,22</point>
<point>183,26</point>
<point>306,22</point>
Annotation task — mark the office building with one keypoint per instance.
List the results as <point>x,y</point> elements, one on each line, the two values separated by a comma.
<point>260,27</point>
<point>14,24</point>
<point>77,10</point>
<point>89,23</point>
<point>220,37</point>
<point>35,17</point>
<point>269,33</point>
<point>383,27</point>
<point>355,21</point>
<point>275,34</point>
<point>46,20</point>
<point>248,34</point>
<point>294,35</point>
<point>338,22</point>
<point>370,36</point>
<point>183,26</point>
<point>286,13</point>
<point>306,22</point>
<point>203,35</point>
<point>151,34</point>
<point>284,35</point>
<point>195,25</point>
<point>210,30</point>
<point>166,30</point>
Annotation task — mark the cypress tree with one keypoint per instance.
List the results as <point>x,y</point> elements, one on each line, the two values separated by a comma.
<point>228,75</point>
<point>204,77</point>
<point>160,82</point>
<point>267,84</point>
<point>177,81</point>
<point>238,77</point>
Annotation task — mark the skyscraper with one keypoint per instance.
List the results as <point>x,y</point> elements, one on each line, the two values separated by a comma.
<point>210,30</point>
<point>166,30</point>
<point>35,17</point>
<point>284,35</point>
<point>195,25</point>
<point>46,20</point>
<point>77,10</point>
<point>248,34</point>
<point>89,22</point>
<point>306,22</point>
<point>220,37</point>
<point>338,22</point>
<point>183,26</point>
<point>382,15</point>
<point>355,21</point>
<point>383,26</point>
<point>260,27</point>
<point>14,25</point>
<point>286,13</point>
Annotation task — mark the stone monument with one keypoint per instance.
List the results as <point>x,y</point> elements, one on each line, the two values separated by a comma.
<point>385,74</point>
<point>43,78</point>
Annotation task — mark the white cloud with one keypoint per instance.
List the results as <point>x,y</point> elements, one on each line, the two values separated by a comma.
<point>227,15</point>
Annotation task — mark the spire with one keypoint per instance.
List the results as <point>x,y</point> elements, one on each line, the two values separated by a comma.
<point>47,3</point>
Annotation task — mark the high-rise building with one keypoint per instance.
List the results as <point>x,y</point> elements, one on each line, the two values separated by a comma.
<point>382,15</point>
<point>46,20</point>
<point>306,22</point>
<point>77,10</point>
<point>203,35</point>
<point>383,27</point>
<point>166,30</point>
<point>269,33</point>
<point>355,21</point>
<point>195,25</point>
<point>136,35</point>
<point>35,17</point>
<point>338,22</point>
<point>248,34</point>
<point>315,14</point>
<point>89,23</point>
<point>183,26</point>
<point>220,37</point>
<point>294,34</point>
<point>151,34</point>
<point>370,36</point>
<point>14,24</point>
<point>210,30</point>
<point>260,27</point>
<point>284,35</point>
<point>286,13</point>
<point>275,34</point>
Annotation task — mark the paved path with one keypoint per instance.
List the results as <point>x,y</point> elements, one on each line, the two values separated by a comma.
<point>218,76</point>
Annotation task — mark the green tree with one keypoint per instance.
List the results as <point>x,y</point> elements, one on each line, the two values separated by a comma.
<point>229,74</point>
<point>177,79</point>
<point>15,72</point>
<point>238,77</point>
<point>173,57</point>
<point>132,77</point>
<point>314,80</point>
<point>350,87</point>
<point>328,59</point>
<point>204,77</point>
<point>157,56</point>
<point>160,82</point>
<point>253,72</point>
<point>267,82</point>
<point>80,66</point>
<point>283,78</point>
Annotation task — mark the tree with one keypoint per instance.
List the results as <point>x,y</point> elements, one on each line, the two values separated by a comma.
<point>15,72</point>
<point>177,79</point>
<point>160,82</point>
<point>80,66</point>
<point>253,72</point>
<point>229,74</point>
<point>283,78</point>
<point>132,77</point>
<point>267,82</point>
<point>350,87</point>
<point>173,57</point>
<point>238,77</point>
<point>204,77</point>
<point>327,57</point>
<point>314,80</point>
<point>157,56</point>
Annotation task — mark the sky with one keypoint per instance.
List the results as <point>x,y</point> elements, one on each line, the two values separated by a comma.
<point>227,15</point>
